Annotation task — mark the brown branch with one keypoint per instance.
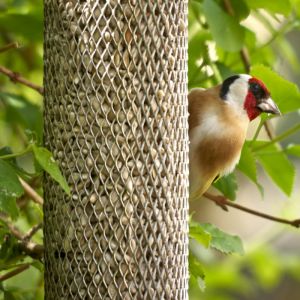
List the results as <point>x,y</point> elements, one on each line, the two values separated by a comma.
<point>9,46</point>
<point>245,59</point>
<point>15,272</point>
<point>30,248</point>
<point>32,231</point>
<point>13,230</point>
<point>16,77</point>
<point>224,203</point>
<point>31,192</point>
<point>228,7</point>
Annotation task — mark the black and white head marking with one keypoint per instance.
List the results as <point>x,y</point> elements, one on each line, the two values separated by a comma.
<point>226,85</point>
<point>234,91</point>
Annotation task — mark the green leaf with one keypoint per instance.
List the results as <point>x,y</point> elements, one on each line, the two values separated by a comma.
<point>247,165</point>
<point>227,185</point>
<point>10,189</point>
<point>199,234</point>
<point>293,150</point>
<point>196,271</point>
<point>240,9</point>
<point>25,25</point>
<point>8,204</point>
<point>20,110</point>
<point>8,295</point>
<point>9,252</point>
<point>250,39</point>
<point>38,265</point>
<point>196,12</point>
<point>277,165</point>
<point>222,241</point>
<point>285,93</point>
<point>47,162</point>
<point>225,29</point>
<point>224,70</point>
<point>9,182</point>
<point>280,7</point>
<point>5,150</point>
<point>4,230</point>
<point>196,50</point>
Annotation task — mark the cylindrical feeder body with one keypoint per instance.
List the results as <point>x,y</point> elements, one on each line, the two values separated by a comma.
<point>116,123</point>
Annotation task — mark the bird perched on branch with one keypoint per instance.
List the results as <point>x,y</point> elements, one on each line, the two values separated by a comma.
<point>218,122</point>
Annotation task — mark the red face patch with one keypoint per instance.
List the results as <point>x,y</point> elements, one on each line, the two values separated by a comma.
<point>260,83</point>
<point>250,106</point>
<point>256,93</point>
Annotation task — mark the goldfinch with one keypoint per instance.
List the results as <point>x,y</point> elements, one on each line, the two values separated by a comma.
<point>218,123</point>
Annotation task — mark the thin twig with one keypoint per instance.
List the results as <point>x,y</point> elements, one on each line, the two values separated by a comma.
<point>245,59</point>
<point>13,230</point>
<point>15,272</point>
<point>259,127</point>
<point>32,231</point>
<point>228,7</point>
<point>285,28</point>
<point>269,130</point>
<point>279,137</point>
<point>224,203</point>
<point>31,192</point>
<point>9,46</point>
<point>23,200</point>
<point>16,77</point>
<point>30,248</point>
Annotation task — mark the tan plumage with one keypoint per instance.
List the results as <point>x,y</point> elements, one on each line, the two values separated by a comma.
<point>217,131</point>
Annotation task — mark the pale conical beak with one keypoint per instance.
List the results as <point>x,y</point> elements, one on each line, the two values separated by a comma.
<point>269,106</point>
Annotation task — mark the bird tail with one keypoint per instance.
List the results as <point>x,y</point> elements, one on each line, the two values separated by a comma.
<point>196,194</point>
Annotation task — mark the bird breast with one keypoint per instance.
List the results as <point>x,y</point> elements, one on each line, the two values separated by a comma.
<point>215,145</point>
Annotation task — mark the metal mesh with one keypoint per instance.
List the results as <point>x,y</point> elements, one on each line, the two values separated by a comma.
<point>116,122</point>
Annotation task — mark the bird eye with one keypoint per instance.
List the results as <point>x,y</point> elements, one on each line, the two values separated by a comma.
<point>255,87</point>
<point>257,90</point>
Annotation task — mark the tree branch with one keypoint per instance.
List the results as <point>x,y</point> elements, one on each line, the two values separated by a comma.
<point>9,46</point>
<point>15,272</point>
<point>16,77</point>
<point>245,59</point>
<point>30,248</point>
<point>31,192</point>
<point>32,231</point>
<point>224,203</point>
<point>228,7</point>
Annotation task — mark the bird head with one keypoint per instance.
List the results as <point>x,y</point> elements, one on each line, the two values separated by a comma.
<point>248,95</point>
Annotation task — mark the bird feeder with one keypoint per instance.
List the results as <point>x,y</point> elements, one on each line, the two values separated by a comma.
<point>116,122</point>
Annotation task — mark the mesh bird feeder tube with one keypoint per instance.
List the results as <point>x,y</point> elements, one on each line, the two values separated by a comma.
<point>116,123</point>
